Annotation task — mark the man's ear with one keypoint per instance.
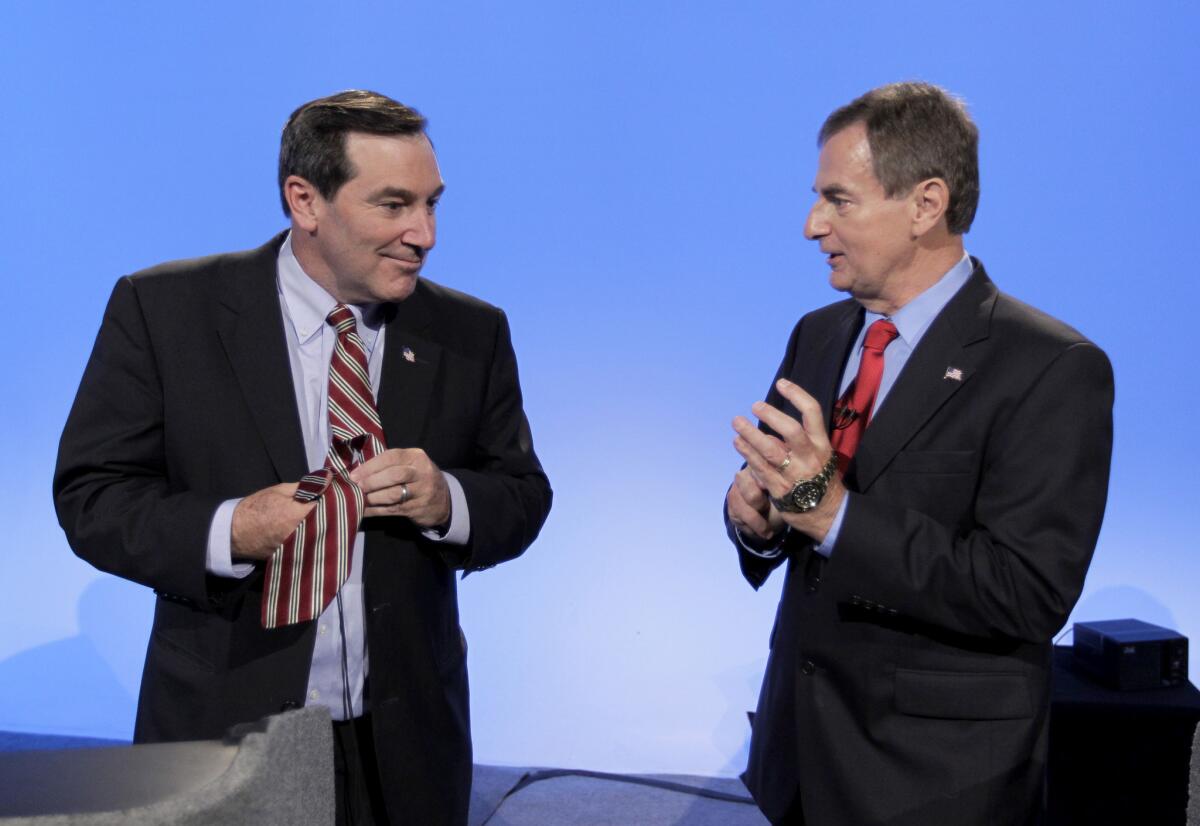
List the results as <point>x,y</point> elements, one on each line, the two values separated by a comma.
<point>304,202</point>
<point>930,200</point>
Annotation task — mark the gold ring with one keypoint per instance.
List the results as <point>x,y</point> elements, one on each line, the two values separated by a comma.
<point>787,461</point>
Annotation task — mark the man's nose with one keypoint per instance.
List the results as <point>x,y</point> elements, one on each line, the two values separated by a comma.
<point>423,231</point>
<point>816,226</point>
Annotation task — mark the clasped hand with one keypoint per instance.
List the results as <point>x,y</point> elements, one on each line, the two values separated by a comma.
<point>775,464</point>
<point>398,482</point>
<point>404,482</point>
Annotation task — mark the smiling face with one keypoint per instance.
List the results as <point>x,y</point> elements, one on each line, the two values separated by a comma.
<point>870,240</point>
<point>368,242</point>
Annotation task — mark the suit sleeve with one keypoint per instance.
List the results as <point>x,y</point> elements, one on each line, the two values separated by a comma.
<point>508,494</point>
<point>1017,566</point>
<point>112,488</point>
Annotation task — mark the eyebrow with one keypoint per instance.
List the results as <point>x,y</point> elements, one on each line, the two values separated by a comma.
<point>832,190</point>
<point>403,194</point>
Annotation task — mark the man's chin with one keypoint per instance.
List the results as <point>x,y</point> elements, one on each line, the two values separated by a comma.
<point>840,282</point>
<point>400,288</point>
<point>380,291</point>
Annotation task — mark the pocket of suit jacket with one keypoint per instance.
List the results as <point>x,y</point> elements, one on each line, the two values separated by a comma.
<point>960,695</point>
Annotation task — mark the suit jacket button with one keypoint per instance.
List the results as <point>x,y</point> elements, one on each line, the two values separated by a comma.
<point>807,667</point>
<point>289,705</point>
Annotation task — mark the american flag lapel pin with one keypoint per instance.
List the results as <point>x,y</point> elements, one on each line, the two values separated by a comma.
<point>953,374</point>
<point>409,355</point>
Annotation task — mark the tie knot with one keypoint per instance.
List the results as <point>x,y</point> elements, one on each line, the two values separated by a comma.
<point>341,319</point>
<point>880,335</point>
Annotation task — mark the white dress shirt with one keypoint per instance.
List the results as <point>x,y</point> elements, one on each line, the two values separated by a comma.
<point>310,341</point>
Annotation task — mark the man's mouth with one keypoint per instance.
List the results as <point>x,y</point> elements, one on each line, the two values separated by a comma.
<point>407,260</point>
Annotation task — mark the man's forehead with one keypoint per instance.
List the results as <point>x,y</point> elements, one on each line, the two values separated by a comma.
<point>848,146</point>
<point>845,160</point>
<point>401,161</point>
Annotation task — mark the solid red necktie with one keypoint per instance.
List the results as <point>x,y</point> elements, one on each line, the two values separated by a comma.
<point>853,410</point>
<point>306,571</point>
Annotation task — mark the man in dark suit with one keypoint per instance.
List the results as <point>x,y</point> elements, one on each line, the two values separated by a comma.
<point>204,402</point>
<point>930,564</point>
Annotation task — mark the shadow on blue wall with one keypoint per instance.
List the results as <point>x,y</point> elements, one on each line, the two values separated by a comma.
<point>85,684</point>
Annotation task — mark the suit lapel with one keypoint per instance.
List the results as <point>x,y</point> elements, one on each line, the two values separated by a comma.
<point>250,324</point>
<point>942,364</point>
<point>410,364</point>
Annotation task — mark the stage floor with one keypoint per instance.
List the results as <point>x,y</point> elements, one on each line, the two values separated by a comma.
<point>519,796</point>
<point>499,798</point>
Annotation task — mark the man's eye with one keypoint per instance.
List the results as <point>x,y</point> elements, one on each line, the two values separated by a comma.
<point>393,205</point>
<point>433,205</point>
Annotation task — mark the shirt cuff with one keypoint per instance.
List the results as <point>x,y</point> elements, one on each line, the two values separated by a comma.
<point>765,551</point>
<point>459,530</point>
<point>826,546</point>
<point>220,544</point>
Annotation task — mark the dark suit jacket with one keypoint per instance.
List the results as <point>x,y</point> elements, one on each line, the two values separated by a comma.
<point>909,675</point>
<point>188,400</point>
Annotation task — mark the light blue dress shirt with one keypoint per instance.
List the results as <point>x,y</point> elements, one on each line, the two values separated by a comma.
<point>911,320</point>
<point>310,341</point>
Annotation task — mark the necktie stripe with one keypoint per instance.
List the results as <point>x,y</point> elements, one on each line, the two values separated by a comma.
<point>353,354</point>
<point>309,567</point>
<point>274,576</point>
<point>343,425</point>
<point>295,583</point>
<point>350,385</point>
<point>350,390</point>
<point>339,464</point>
<point>348,393</point>
<point>342,414</point>
<point>338,517</point>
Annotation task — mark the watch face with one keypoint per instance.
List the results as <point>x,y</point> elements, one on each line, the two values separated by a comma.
<point>806,495</point>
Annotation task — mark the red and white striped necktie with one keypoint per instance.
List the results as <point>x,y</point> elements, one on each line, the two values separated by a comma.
<point>306,571</point>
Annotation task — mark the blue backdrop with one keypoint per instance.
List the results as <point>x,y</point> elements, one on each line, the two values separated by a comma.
<point>629,180</point>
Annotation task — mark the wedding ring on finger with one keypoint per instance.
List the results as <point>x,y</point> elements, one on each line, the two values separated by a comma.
<point>404,494</point>
<point>787,461</point>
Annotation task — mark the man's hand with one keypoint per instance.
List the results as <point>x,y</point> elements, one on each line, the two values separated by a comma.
<point>264,519</point>
<point>405,482</point>
<point>777,464</point>
<point>750,511</point>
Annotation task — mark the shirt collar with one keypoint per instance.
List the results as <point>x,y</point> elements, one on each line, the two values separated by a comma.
<point>308,304</point>
<point>914,318</point>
